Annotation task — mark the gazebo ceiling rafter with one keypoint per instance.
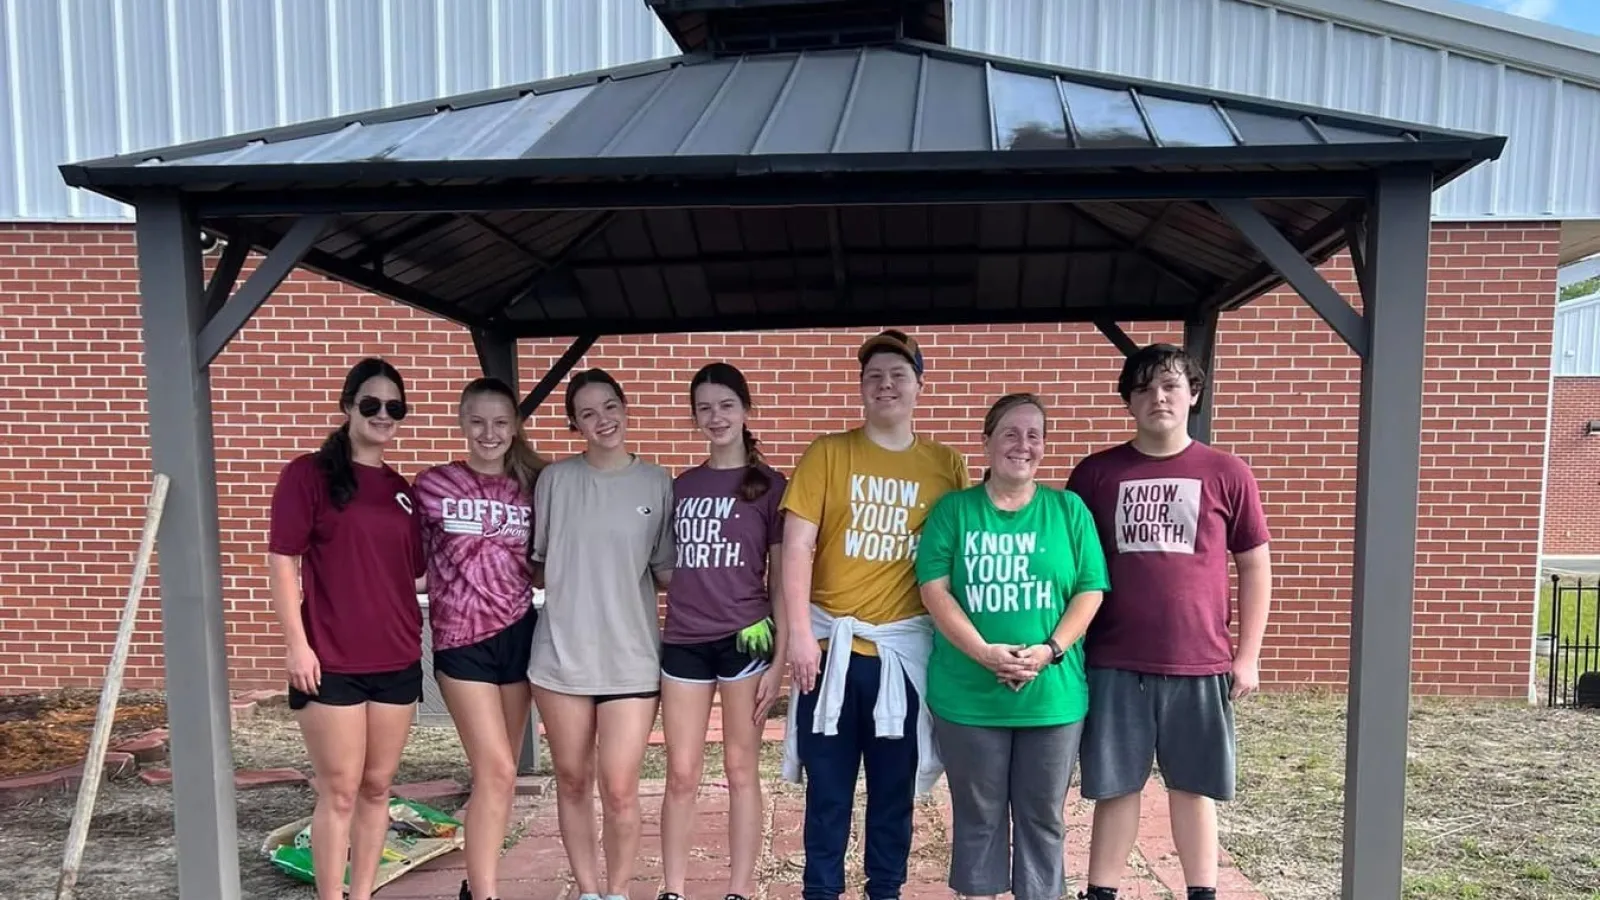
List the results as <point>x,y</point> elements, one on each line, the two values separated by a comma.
<point>809,163</point>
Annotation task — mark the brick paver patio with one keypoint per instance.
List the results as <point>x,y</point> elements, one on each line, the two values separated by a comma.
<point>536,868</point>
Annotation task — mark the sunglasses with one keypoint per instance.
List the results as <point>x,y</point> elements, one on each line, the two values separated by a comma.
<point>369,406</point>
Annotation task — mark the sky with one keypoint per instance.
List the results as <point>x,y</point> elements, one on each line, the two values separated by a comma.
<point>1579,15</point>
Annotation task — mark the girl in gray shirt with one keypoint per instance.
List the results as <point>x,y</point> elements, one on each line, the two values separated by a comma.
<point>602,535</point>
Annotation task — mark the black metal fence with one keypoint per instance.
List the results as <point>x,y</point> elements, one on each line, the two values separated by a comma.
<point>1569,643</point>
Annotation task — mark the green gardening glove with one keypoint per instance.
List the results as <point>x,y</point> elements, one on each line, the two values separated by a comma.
<point>756,640</point>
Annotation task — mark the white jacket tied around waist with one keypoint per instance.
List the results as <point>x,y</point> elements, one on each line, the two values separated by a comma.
<point>903,648</point>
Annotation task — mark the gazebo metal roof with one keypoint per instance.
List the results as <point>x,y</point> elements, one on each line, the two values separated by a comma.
<point>810,164</point>
<point>794,189</point>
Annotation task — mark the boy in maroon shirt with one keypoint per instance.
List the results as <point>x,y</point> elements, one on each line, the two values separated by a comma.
<point>1163,672</point>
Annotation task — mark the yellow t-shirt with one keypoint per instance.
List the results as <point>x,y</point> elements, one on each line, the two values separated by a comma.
<point>869,504</point>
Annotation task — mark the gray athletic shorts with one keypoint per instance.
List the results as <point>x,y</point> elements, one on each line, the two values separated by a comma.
<point>1182,723</point>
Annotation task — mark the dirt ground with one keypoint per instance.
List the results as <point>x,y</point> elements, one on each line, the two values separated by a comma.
<point>42,732</point>
<point>1503,803</point>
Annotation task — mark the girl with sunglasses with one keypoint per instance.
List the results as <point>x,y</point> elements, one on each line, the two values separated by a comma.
<point>720,633</point>
<point>602,543</point>
<point>344,556</point>
<point>476,514</point>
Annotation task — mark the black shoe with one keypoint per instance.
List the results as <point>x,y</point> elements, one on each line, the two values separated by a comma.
<point>466,892</point>
<point>735,897</point>
<point>668,895</point>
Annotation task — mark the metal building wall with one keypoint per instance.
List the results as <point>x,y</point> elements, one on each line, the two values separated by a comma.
<point>1577,337</point>
<point>88,78</point>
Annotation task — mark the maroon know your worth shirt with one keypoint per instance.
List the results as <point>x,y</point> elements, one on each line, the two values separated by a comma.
<point>719,585</point>
<point>1168,527</point>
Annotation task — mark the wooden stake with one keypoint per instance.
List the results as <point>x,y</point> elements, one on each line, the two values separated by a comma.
<point>105,716</point>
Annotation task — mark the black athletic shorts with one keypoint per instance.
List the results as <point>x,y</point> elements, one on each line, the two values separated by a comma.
<point>709,662</point>
<point>500,658</point>
<point>339,689</point>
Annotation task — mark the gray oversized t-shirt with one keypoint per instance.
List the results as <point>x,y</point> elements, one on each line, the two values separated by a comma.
<point>603,535</point>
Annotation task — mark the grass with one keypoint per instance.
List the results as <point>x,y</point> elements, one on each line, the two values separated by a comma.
<point>1503,801</point>
<point>1579,621</point>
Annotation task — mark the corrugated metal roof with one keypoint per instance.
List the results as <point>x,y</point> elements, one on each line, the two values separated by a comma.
<point>904,101</point>
<point>602,159</point>
<point>1577,337</point>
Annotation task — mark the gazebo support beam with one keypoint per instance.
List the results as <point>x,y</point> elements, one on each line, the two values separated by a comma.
<point>1117,336</point>
<point>1300,274</point>
<point>558,370</point>
<point>233,313</point>
<point>1387,478</point>
<point>1200,340</point>
<point>497,357</point>
<point>172,301</point>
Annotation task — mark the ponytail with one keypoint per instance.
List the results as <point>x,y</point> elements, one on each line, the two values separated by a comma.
<point>522,463</point>
<point>338,472</point>
<point>755,483</point>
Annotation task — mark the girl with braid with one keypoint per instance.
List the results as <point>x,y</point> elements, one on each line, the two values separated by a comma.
<point>719,633</point>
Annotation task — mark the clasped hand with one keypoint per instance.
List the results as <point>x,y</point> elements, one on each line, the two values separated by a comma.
<point>1014,665</point>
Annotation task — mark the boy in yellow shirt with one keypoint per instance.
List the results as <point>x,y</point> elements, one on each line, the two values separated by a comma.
<point>856,503</point>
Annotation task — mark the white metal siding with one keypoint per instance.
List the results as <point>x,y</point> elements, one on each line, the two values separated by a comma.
<point>1548,171</point>
<point>90,78</point>
<point>1577,337</point>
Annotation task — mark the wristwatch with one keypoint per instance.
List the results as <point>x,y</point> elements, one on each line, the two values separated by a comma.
<point>1056,653</point>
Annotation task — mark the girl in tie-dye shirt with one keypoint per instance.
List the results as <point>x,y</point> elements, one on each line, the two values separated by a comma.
<point>477,514</point>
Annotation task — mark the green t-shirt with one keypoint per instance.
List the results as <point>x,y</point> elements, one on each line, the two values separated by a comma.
<point>1012,574</point>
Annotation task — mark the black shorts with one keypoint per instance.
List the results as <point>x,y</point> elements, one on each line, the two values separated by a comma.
<point>709,662</point>
<point>500,658</point>
<point>339,689</point>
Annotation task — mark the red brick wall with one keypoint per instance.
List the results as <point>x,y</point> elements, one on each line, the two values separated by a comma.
<point>1572,493</point>
<point>75,459</point>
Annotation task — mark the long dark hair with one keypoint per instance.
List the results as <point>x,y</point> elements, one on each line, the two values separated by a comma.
<point>755,482</point>
<point>334,458</point>
<point>522,463</point>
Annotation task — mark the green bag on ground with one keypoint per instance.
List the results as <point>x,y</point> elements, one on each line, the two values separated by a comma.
<point>417,833</point>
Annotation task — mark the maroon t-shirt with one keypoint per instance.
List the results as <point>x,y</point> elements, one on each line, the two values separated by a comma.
<point>358,566</point>
<point>719,585</point>
<point>1168,527</point>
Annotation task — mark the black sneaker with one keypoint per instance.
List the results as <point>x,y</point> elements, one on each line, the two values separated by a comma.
<point>668,895</point>
<point>466,892</point>
<point>735,897</point>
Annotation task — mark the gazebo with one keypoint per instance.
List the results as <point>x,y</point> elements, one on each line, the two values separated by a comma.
<point>803,164</point>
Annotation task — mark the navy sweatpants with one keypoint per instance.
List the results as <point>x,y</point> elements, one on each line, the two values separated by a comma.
<point>831,764</point>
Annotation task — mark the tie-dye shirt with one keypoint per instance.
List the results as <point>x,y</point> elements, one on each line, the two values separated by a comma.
<point>475,535</point>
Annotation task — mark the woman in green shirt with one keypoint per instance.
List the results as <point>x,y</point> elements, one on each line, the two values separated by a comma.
<point>1011,572</point>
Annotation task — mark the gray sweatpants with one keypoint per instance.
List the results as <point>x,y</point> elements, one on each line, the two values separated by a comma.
<point>1007,789</point>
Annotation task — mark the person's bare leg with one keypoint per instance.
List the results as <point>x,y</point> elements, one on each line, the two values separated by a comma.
<point>336,741</point>
<point>388,727</point>
<point>569,726</point>
<point>516,702</point>
<point>1115,830</point>
<point>624,727</point>
<point>741,760</point>
<point>479,717</point>
<point>685,712</point>
<point>1194,833</point>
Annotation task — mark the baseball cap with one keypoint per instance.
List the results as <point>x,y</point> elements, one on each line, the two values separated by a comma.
<point>894,341</point>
